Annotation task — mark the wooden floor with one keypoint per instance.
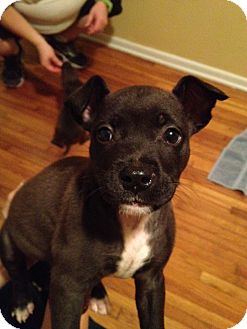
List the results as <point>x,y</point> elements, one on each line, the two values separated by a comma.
<point>206,277</point>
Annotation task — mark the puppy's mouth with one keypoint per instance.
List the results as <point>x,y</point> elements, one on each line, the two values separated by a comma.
<point>135,209</point>
<point>135,205</point>
<point>148,198</point>
<point>135,201</point>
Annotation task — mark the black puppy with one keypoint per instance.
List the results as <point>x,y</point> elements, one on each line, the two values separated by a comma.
<point>110,214</point>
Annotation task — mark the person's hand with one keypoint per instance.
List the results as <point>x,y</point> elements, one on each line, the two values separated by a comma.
<point>96,20</point>
<point>48,58</point>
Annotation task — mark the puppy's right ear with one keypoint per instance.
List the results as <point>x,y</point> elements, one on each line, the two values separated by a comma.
<point>198,99</point>
<point>84,101</point>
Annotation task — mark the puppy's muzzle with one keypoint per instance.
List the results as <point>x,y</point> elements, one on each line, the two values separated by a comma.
<point>136,179</point>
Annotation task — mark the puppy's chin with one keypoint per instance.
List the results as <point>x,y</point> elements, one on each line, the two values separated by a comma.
<point>134,210</point>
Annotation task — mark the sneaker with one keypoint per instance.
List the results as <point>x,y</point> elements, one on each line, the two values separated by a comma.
<point>13,76</point>
<point>67,52</point>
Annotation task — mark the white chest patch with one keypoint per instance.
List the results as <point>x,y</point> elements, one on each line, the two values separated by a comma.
<point>136,244</point>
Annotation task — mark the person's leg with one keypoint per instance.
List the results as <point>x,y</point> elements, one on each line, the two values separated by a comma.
<point>63,43</point>
<point>8,47</point>
<point>66,50</point>
<point>71,33</point>
<point>11,50</point>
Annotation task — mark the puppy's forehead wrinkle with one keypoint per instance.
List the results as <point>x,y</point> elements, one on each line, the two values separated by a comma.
<point>142,97</point>
<point>146,115</point>
<point>138,91</point>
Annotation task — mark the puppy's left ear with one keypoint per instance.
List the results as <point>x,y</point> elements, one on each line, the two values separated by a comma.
<point>84,101</point>
<point>198,99</point>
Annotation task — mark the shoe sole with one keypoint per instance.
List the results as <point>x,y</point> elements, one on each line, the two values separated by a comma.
<point>19,84</point>
<point>65,59</point>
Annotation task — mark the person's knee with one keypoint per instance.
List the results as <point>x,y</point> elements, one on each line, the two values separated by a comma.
<point>8,47</point>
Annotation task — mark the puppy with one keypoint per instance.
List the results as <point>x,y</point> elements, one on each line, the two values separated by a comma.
<point>110,214</point>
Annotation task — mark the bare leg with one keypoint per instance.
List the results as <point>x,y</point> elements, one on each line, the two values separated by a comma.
<point>73,31</point>
<point>63,44</point>
<point>8,47</point>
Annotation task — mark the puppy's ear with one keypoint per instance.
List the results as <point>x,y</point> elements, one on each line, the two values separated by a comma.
<point>79,106</point>
<point>198,99</point>
<point>84,101</point>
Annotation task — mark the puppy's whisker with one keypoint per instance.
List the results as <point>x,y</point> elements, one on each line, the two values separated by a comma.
<point>175,183</point>
<point>186,194</point>
<point>92,193</point>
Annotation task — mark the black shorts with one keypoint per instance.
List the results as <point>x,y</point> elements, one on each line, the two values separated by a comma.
<point>116,10</point>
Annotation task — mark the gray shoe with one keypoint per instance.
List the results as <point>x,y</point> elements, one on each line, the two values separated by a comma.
<point>68,53</point>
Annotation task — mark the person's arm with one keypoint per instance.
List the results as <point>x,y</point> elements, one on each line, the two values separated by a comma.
<point>17,24</point>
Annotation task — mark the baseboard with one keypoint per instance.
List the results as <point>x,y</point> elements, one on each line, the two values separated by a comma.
<point>180,63</point>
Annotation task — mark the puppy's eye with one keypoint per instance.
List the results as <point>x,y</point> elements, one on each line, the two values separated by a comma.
<point>104,135</point>
<point>172,136</point>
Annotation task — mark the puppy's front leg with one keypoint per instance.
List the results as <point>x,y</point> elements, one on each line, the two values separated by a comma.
<point>68,300</point>
<point>150,299</point>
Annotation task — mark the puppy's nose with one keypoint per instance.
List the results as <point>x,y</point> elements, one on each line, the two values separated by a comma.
<point>136,179</point>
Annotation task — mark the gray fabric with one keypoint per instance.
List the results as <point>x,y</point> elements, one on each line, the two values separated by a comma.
<point>230,170</point>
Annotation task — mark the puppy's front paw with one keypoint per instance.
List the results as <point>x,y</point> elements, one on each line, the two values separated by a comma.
<point>22,313</point>
<point>101,306</point>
